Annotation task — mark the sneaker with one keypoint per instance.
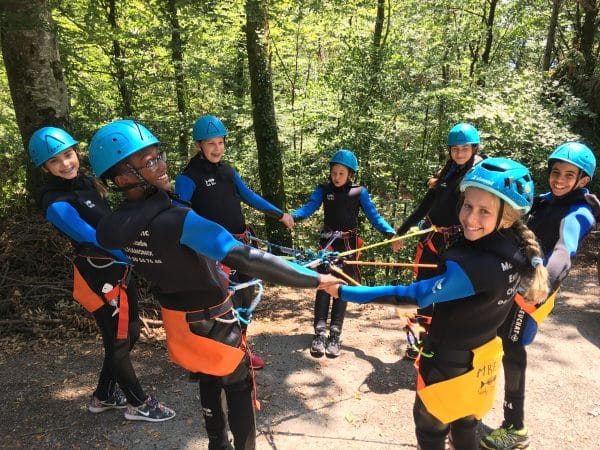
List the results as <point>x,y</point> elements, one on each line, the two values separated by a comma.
<point>317,347</point>
<point>116,401</point>
<point>151,411</point>
<point>333,346</point>
<point>506,439</point>
<point>256,362</point>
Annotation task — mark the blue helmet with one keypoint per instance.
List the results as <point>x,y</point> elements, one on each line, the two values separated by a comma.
<point>48,142</point>
<point>116,141</point>
<point>577,154</point>
<point>505,178</point>
<point>345,158</point>
<point>207,127</point>
<point>463,133</point>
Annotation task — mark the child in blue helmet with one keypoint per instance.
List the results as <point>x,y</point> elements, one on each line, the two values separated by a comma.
<point>216,191</point>
<point>560,218</point>
<point>74,203</point>
<point>178,250</point>
<point>342,200</point>
<point>439,207</point>
<point>472,293</point>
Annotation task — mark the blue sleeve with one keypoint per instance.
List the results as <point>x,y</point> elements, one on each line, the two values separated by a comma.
<point>184,187</point>
<point>253,199</point>
<point>314,203</point>
<point>369,208</point>
<point>573,228</point>
<point>206,237</point>
<point>453,284</point>
<point>66,218</point>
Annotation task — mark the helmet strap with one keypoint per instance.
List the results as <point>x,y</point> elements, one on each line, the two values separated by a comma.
<point>147,187</point>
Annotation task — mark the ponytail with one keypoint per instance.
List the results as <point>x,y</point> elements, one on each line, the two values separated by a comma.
<point>98,185</point>
<point>535,282</point>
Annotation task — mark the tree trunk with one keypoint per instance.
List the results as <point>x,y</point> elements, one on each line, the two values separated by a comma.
<point>270,164</point>
<point>546,62</point>
<point>489,39</point>
<point>171,14</point>
<point>378,32</point>
<point>588,34</point>
<point>126,106</point>
<point>34,72</point>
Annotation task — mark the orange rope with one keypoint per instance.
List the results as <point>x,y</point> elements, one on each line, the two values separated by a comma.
<point>341,273</point>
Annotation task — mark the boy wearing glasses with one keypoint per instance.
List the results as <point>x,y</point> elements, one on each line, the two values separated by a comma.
<point>177,250</point>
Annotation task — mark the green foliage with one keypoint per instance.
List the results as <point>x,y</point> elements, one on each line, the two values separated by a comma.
<point>392,105</point>
<point>12,157</point>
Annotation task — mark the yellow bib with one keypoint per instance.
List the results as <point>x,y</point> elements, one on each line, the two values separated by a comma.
<point>472,393</point>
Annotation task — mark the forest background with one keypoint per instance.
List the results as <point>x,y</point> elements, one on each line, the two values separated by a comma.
<point>293,81</point>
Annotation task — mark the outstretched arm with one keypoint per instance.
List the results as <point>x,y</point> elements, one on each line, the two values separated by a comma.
<point>373,215</point>
<point>453,284</point>
<point>418,213</point>
<point>314,203</point>
<point>212,240</point>
<point>256,201</point>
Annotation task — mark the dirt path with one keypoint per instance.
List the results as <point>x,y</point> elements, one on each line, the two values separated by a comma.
<point>361,400</point>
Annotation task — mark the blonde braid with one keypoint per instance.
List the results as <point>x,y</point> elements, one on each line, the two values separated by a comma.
<point>536,284</point>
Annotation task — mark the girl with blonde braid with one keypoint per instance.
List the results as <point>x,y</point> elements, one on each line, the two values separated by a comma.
<point>473,293</point>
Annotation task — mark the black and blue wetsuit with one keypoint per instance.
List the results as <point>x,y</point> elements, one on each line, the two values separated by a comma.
<point>75,207</point>
<point>216,191</point>
<point>177,250</point>
<point>472,294</point>
<point>560,224</point>
<point>341,206</point>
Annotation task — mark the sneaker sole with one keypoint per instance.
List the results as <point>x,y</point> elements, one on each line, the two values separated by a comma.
<point>98,410</point>
<point>519,446</point>
<point>317,354</point>
<point>147,419</point>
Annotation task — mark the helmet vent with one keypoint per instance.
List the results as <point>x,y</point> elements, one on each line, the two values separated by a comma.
<point>493,168</point>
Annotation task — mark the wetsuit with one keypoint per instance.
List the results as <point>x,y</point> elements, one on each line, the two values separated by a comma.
<point>341,206</point>
<point>75,207</point>
<point>472,295</point>
<point>560,224</point>
<point>216,192</point>
<point>177,250</point>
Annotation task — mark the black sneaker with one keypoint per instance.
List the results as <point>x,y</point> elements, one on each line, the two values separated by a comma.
<point>317,347</point>
<point>151,411</point>
<point>332,350</point>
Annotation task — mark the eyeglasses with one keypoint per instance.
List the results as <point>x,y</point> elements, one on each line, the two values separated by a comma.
<point>151,164</point>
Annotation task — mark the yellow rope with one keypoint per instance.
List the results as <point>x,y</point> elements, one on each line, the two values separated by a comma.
<point>390,264</point>
<point>388,241</point>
